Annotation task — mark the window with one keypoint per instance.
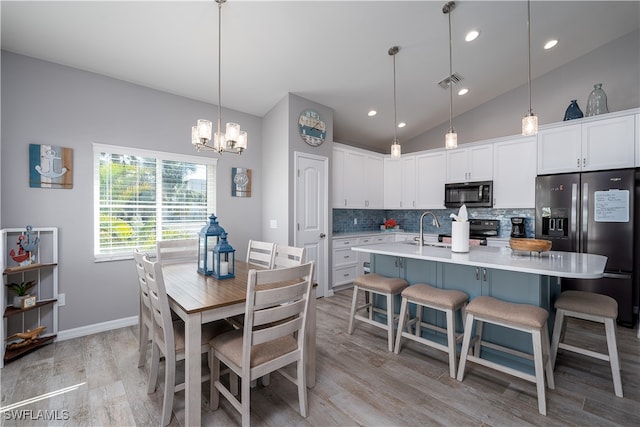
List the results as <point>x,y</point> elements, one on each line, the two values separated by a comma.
<point>142,196</point>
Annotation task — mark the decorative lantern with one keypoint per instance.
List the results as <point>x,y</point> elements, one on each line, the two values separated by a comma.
<point>223,259</point>
<point>208,238</point>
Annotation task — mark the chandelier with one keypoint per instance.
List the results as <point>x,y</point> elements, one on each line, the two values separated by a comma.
<point>233,140</point>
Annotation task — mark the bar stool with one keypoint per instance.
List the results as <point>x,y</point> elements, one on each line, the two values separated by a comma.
<point>596,308</point>
<point>522,317</point>
<point>376,284</point>
<point>447,301</point>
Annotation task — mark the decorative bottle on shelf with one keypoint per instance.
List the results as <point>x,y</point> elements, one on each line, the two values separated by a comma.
<point>573,111</point>
<point>597,103</point>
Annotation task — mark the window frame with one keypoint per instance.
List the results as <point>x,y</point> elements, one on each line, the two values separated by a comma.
<point>159,156</point>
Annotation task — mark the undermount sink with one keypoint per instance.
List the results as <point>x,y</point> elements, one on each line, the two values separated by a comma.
<point>432,244</point>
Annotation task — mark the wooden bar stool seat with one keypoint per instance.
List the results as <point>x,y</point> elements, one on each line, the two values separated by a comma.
<point>596,308</point>
<point>388,287</point>
<point>447,301</point>
<point>522,317</point>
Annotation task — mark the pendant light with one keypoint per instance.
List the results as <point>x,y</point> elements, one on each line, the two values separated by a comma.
<point>396,150</point>
<point>233,140</point>
<point>451,138</point>
<point>530,120</point>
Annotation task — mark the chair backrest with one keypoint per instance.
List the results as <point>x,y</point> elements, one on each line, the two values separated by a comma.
<point>260,253</point>
<point>288,256</point>
<point>160,311</point>
<point>277,305</point>
<point>176,251</point>
<point>143,286</point>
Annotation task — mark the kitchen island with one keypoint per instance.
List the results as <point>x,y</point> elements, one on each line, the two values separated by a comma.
<point>494,271</point>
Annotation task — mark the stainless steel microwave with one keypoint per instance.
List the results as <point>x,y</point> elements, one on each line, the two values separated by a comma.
<point>472,194</point>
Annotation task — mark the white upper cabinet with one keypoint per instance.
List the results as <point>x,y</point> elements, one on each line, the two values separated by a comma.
<point>593,145</point>
<point>357,179</point>
<point>337,188</point>
<point>408,182</point>
<point>514,173</point>
<point>608,144</point>
<point>470,164</point>
<point>392,183</point>
<point>430,178</point>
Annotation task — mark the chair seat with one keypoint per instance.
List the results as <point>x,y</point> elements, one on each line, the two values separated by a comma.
<point>209,331</point>
<point>441,298</point>
<point>526,315</point>
<point>379,283</point>
<point>230,344</point>
<point>589,303</point>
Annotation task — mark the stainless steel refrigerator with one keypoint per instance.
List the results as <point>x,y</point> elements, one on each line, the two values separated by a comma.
<point>593,212</point>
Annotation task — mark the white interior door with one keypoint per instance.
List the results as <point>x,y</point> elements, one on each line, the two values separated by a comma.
<point>311,209</point>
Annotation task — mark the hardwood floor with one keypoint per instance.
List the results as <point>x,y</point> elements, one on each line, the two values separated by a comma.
<point>359,383</point>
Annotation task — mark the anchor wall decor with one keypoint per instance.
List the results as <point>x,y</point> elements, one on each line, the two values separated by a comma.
<point>50,166</point>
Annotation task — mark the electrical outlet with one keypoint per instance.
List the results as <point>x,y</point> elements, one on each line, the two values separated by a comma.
<point>355,221</point>
<point>61,300</point>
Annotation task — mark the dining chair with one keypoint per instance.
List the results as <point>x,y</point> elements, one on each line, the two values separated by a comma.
<point>273,336</point>
<point>260,253</point>
<point>144,309</point>
<point>287,256</point>
<point>168,337</point>
<point>176,251</point>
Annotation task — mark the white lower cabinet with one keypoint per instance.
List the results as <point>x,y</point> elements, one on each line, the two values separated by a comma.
<point>348,264</point>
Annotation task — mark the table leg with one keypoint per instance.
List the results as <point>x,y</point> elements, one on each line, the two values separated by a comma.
<point>310,343</point>
<point>193,370</point>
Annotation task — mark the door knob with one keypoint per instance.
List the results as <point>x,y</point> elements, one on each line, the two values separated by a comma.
<point>322,235</point>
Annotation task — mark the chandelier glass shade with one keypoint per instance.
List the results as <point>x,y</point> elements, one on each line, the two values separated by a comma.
<point>233,140</point>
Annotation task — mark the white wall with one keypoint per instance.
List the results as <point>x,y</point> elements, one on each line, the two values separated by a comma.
<point>616,65</point>
<point>46,103</point>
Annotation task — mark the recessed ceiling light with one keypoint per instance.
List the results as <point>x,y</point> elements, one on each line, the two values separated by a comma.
<point>472,35</point>
<point>372,113</point>
<point>550,44</point>
<point>463,91</point>
<point>401,124</point>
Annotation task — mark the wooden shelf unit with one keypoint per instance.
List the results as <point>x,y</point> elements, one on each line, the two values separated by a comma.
<point>44,271</point>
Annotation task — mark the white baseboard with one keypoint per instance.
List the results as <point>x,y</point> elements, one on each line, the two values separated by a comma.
<point>96,328</point>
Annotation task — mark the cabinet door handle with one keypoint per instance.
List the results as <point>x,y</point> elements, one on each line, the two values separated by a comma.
<point>484,274</point>
<point>578,162</point>
<point>345,202</point>
<point>584,161</point>
<point>477,273</point>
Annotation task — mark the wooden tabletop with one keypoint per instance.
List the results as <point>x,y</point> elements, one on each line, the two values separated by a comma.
<point>195,292</point>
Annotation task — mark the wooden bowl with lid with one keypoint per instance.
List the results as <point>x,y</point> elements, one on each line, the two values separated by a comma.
<point>530,245</point>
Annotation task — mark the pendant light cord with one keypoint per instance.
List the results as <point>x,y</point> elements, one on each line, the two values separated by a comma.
<point>529,50</point>
<point>395,112</point>
<point>450,76</point>
<point>219,64</point>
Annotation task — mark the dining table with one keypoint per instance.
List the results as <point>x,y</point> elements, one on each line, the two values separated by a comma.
<point>199,299</point>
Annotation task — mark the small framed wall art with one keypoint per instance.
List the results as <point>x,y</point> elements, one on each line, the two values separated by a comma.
<point>50,166</point>
<point>240,182</point>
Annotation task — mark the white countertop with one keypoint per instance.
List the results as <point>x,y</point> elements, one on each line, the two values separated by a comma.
<point>552,263</point>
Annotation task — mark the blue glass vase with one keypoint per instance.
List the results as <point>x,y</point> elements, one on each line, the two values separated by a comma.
<point>573,111</point>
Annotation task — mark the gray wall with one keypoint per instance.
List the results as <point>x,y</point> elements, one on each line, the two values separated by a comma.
<point>46,103</point>
<point>616,65</point>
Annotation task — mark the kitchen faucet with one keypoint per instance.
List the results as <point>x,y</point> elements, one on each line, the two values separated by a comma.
<point>435,222</point>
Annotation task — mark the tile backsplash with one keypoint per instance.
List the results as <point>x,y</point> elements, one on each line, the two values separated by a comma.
<point>408,220</point>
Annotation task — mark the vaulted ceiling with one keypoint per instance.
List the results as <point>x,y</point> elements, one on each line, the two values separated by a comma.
<point>331,52</point>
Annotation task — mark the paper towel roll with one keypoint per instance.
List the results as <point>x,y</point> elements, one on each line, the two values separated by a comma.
<point>460,236</point>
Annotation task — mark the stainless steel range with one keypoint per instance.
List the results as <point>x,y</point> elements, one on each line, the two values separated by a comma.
<point>479,230</point>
